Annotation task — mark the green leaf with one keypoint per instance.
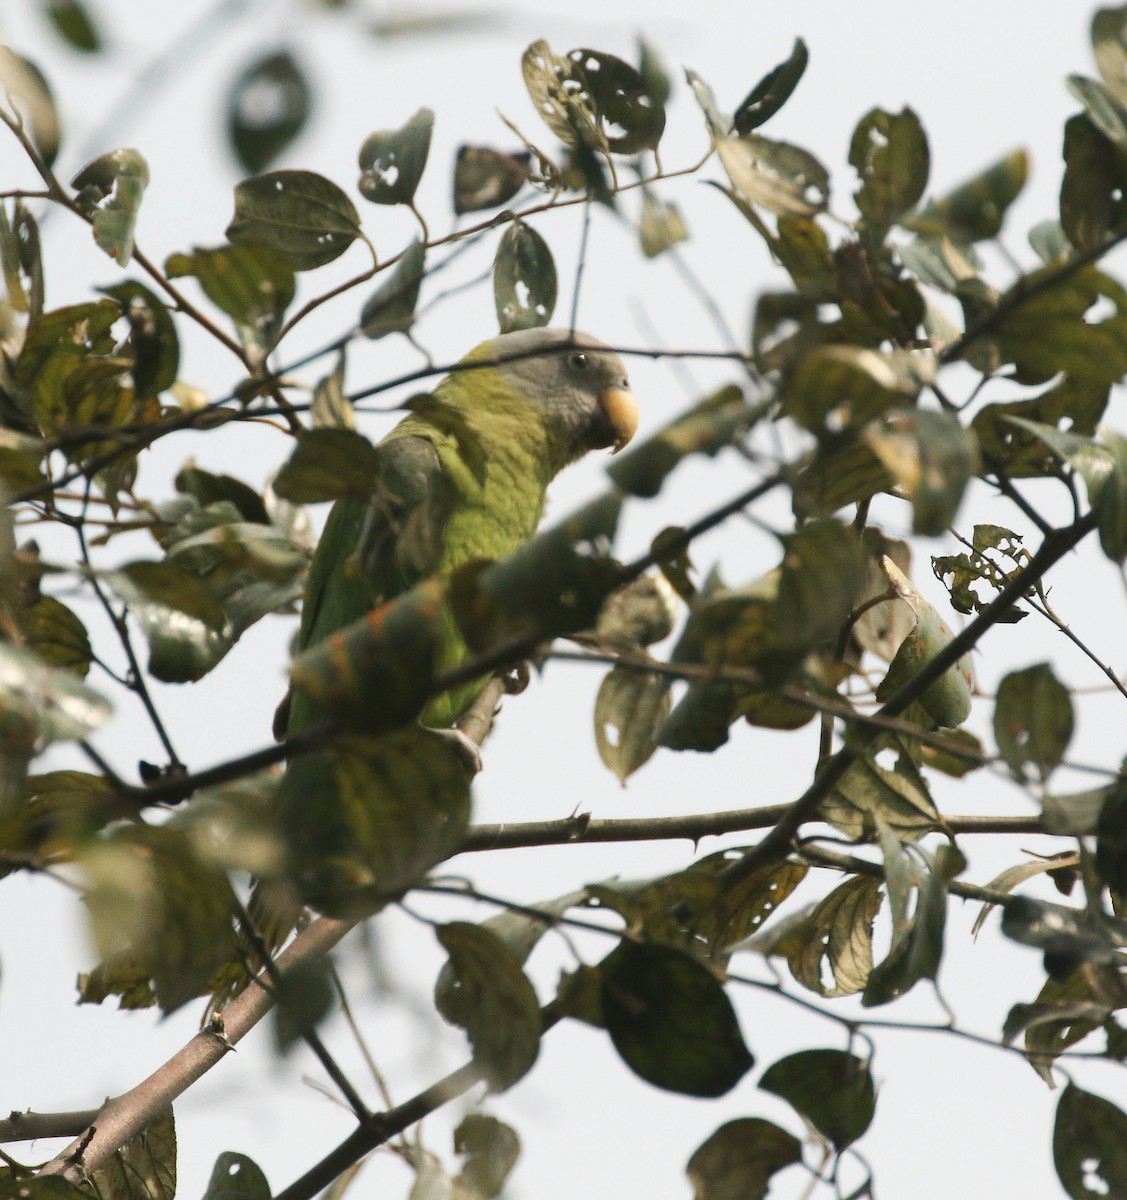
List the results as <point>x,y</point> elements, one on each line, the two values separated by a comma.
<point>236,1177</point>
<point>1111,838</point>
<point>490,997</point>
<point>491,1149</point>
<point>154,903</point>
<point>869,793</point>
<point>1033,721</point>
<point>772,91</point>
<point>267,108</point>
<point>253,284</point>
<point>109,193</point>
<point>369,817</point>
<point>1105,113</point>
<point>947,701</point>
<point>41,703</point>
<point>73,24</point>
<point>152,337</point>
<point>209,488</point>
<point>144,1168</point>
<point>842,387</point>
<point>737,1161</point>
<point>328,464</point>
<point>820,575</point>
<point>638,614</point>
<point>524,279</point>
<point>180,616</point>
<point>701,718</point>
<point>836,936</point>
<point>38,1187</point>
<point>304,997</point>
<point>976,210</point>
<point>1066,935</point>
<point>54,632</point>
<point>26,86</point>
<point>1103,466</point>
<point>719,125</point>
<point>303,215</point>
<point>392,161</point>
<point>487,178</point>
<point>889,151</point>
<point>593,100</point>
<point>630,708</point>
<point>331,408</point>
<point>1072,405</point>
<point>706,428</point>
<point>777,176</point>
<point>1090,1145</point>
<point>660,226</point>
<point>1109,42</point>
<point>20,258</point>
<point>391,307</point>
<point>931,457</point>
<point>831,1089</point>
<point>1092,202</point>
<point>671,1021</point>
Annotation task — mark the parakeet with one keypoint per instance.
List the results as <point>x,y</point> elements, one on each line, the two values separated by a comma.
<point>464,476</point>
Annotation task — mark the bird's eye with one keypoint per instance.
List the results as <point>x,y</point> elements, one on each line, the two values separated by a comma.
<point>579,361</point>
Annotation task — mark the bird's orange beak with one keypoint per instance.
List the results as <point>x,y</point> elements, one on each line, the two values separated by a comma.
<point>621,411</point>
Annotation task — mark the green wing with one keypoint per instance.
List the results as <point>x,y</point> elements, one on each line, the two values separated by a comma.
<point>373,550</point>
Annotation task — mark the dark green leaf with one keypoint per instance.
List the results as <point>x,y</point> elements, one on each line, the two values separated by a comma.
<point>772,91</point>
<point>701,718</point>
<point>253,284</point>
<point>836,387</point>
<point>821,573</point>
<point>156,904</point>
<point>209,489</point>
<point>1066,935</point>
<point>328,464</point>
<point>630,708</point>
<point>490,997</point>
<point>738,1160</point>
<point>368,818</point>
<point>1111,838</point>
<point>109,193</point>
<point>593,100</point>
<point>1109,42</point>
<point>72,22</point>
<point>21,259</point>
<point>180,616</point>
<point>54,632</point>
<point>25,84</point>
<point>653,72</point>
<point>38,1187</point>
<point>1090,1145</point>
<point>524,279</point>
<point>889,151</point>
<point>671,1021</point>
<point>1092,201</point>
<point>392,161</point>
<point>491,1149</point>
<point>713,423</point>
<point>777,176</point>
<point>303,215</point>
<point>304,996</point>
<point>976,210</point>
<point>236,1177</point>
<point>153,340</point>
<point>931,457</point>
<point>1103,110</point>
<point>391,307</point>
<point>1033,721</point>
<point>831,1089</point>
<point>947,701</point>
<point>267,108</point>
<point>487,178</point>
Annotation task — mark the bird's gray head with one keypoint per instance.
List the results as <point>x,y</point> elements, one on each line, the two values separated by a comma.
<point>582,382</point>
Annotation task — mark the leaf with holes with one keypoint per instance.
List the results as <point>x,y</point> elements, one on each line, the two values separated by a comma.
<point>392,161</point>
<point>303,215</point>
<point>109,192</point>
<point>267,108</point>
<point>524,279</point>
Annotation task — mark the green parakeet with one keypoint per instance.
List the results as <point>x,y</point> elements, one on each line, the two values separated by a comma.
<point>462,477</point>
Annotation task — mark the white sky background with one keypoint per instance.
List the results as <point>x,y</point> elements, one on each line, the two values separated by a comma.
<point>952,1119</point>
